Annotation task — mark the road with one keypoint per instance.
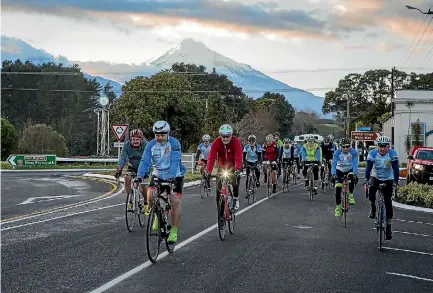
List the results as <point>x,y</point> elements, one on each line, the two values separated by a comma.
<point>283,244</point>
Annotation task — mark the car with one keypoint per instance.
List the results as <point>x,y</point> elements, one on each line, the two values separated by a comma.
<point>420,165</point>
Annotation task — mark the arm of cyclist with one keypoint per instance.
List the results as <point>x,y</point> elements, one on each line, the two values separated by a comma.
<point>145,160</point>
<point>175,157</point>
<point>122,160</point>
<point>244,157</point>
<point>197,156</point>
<point>355,159</point>
<point>303,154</point>
<point>319,155</point>
<point>238,155</point>
<point>335,162</point>
<point>368,169</point>
<point>212,155</point>
<point>395,168</point>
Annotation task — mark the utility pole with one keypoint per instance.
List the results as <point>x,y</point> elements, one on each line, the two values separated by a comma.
<point>348,116</point>
<point>392,105</point>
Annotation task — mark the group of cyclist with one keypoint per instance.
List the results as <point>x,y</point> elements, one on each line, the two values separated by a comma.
<point>161,158</point>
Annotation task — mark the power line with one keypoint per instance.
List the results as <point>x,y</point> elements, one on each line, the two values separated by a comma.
<point>425,41</point>
<point>413,50</point>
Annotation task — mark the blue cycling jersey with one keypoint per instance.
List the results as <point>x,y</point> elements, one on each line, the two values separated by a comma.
<point>345,162</point>
<point>296,151</point>
<point>166,159</point>
<point>204,150</point>
<point>286,153</point>
<point>382,167</point>
<point>252,152</point>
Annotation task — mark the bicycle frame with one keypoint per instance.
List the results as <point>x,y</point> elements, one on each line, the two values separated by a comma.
<point>226,192</point>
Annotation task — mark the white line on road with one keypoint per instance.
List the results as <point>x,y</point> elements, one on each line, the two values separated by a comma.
<point>409,276</point>
<point>411,233</point>
<point>61,217</point>
<point>137,269</point>
<point>415,222</point>
<point>407,250</point>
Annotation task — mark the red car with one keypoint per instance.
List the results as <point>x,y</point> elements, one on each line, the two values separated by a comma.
<point>420,165</point>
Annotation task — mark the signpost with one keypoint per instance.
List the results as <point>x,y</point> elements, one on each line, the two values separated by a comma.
<point>31,160</point>
<point>119,131</point>
<point>365,135</point>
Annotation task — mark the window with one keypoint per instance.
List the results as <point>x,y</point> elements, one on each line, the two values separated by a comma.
<point>422,133</point>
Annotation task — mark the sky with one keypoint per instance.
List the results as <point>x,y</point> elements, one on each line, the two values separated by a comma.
<point>309,44</point>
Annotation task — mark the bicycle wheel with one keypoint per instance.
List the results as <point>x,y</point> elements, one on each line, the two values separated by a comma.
<point>129,212</point>
<point>250,188</point>
<point>153,235</point>
<point>284,180</point>
<point>311,184</point>
<point>269,184</point>
<point>170,246</point>
<point>221,219</point>
<point>380,226</point>
<point>345,207</point>
<point>203,188</point>
<point>140,212</point>
<point>232,221</point>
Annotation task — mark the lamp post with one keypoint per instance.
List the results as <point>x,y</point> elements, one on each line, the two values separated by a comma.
<point>411,7</point>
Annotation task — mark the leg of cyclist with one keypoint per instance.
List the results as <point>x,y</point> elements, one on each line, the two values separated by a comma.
<point>248,169</point>
<point>176,209</point>
<point>298,164</point>
<point>316,178</point>
<point>322,174</point>
<point>257,170</point>
<point>374,185</point>
<point>387,196</point>
<point>235,181</point>
<point>274,168</point>
<point>265,172</point>
<point>338,190</point>
<point>351,187</point>
<point>304,173</point>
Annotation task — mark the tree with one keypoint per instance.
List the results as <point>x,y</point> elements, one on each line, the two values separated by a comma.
<point>9,138</point>
<point>278,108</point>
<point>258,122</point>
<point>42,139</point>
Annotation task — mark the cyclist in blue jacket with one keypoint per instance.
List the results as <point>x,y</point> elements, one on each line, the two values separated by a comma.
<point>344,163</point>
<point>164,153</point>
<point>382,167</point>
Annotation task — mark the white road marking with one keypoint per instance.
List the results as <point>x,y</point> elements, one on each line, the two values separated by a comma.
<point>413,222</point>
<point>409,276</point>
<point>407,250</point>
<point>411,233</point>
<point>47,198</point>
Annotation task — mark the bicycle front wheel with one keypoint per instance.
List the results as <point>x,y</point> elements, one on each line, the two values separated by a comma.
<point>221,219</point>
<point>130,211</point>
<point>140,211</point>
<point>153,235</point>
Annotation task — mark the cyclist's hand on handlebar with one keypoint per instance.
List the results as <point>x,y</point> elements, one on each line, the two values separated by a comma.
<point>334,176</point>
<point>355,179</point>
<point>237,173</point>
<point>118,173</point>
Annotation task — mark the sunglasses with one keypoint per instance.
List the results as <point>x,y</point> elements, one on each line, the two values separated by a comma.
<point>225,136</point>
<point>382,145</point>
<point>345,146</point>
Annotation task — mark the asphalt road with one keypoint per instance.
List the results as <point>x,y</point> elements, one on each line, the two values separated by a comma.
<point>25,193</point>
<point>283,244</point>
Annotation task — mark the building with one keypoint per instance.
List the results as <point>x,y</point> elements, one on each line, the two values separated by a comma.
<point>421,109</point>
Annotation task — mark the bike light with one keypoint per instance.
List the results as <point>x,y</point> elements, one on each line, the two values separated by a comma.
<point>418,167</point>
<point>225,174</point>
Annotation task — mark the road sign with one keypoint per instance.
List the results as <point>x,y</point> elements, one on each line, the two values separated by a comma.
<point>118,144</point>
<point>31,160</point>
<point>119,130</point>
<point>363,128</point>
<point>365,135</point>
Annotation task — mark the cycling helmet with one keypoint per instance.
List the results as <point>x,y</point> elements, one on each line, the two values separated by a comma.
<point>161,127</point>
<point>206,137</point>
<point>269,138</point>
<point>383,140</point>
<point>310,138</point>
<point>327,140</point>
<point>225,129</point>
<point>136,133</point>
<point>252,137</point>
<point>345,141</point>
<point>331,137</point>
<point>286,140</point>
<point>277,134</point>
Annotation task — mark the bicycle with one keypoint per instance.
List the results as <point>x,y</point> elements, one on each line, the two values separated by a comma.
<point>268,172</point>
<point>310,177</point>
<point>204,184</point>
<point>133,204</point>
<point>287,175</point>
<point>251,184</point>
<point>294,172</point>
<point>160,212</point>
<point>345,198</point>
<point>225,206</point>
<point>326,182</point>
<point>380,223</point>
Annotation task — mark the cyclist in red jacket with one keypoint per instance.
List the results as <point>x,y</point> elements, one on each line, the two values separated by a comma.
<point>229,151</point>
<point>270,159</point>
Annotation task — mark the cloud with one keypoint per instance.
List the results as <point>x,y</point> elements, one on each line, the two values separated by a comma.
<point>256,18</point>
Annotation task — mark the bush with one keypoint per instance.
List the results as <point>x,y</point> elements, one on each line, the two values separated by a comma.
<point>9,139</point>
<point>416,194</point>
<point>42,139</point>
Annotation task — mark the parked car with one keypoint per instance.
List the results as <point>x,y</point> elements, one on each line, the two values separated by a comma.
<point>420,165</point>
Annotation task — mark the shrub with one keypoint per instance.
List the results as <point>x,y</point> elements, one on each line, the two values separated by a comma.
<point>416,194</point>
<point>9,138</point>
<point>42,139</point>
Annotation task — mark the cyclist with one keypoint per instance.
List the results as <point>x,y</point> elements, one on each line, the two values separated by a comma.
<point>344,163</point>
<point>328,149</point>
<point>164,153</point>
<point>279,142</point>
<point>252,157</point>
<point>382,167</point>
<point>228,148</point>
<point>203,149</point>
<point>132,152</point>
<point>286,155</point>
<point>311,153</point>
<point>271,154</point>
<point>296,151</point>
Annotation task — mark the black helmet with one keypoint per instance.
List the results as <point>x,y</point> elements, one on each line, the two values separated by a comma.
<point>345,141</point>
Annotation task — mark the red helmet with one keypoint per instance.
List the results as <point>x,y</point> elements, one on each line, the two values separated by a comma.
<point>136,133</point>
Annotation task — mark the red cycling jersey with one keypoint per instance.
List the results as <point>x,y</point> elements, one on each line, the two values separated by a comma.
<point>229,155</point>
<point>270,151</point>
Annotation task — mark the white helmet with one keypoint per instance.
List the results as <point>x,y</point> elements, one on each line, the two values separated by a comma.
<point>206,137</point>
<point>269,138</point>
<point>252,137</point>
<point>161,127</point>
<point>383,140</point>
<point>225,129</point>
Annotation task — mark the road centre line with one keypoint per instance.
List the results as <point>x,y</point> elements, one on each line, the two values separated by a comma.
<point>411,233</point>
<point>414,222</point>
<point>407,250</point>
<point>409,276</point>
<point>146,264</point>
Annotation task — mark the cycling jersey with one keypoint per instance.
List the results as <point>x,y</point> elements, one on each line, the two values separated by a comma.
<point>285,153</point>
<point>252,154</point>
<point>202,150</point>
<point>345,162</point>
<point>296,150</point>
<point>382,167</point>
<point>229,155</point>
<point>131,154</point>
<point>310,154</point>
<point>270,152</point>
<point>327,150</point>
<point>166,159</point>
<point>280,143</point>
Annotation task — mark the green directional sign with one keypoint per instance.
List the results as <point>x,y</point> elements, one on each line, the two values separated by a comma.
<point>31,160</point>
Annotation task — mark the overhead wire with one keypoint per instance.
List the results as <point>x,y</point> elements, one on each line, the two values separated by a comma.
<point>414,48</point>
